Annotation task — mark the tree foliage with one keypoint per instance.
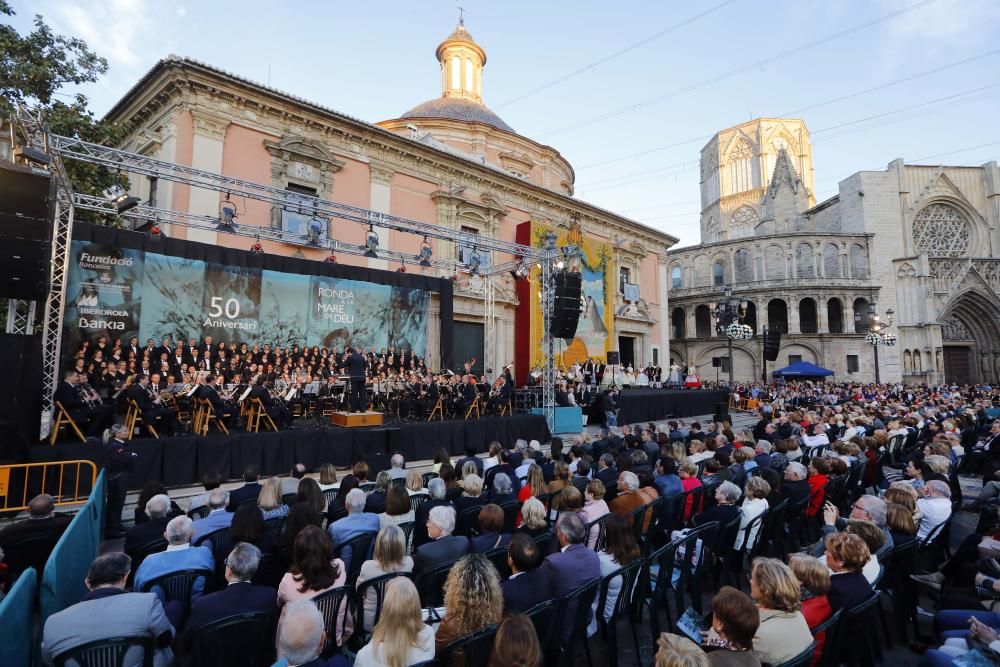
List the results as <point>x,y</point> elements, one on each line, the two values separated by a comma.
<point>34,69</point>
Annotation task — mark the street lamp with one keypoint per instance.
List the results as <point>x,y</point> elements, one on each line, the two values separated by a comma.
<point>728,313</point>
<point>875,335</point>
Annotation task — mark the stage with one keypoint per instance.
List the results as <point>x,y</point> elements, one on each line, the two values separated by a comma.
<point>643,405</point>
<point>182,460</point>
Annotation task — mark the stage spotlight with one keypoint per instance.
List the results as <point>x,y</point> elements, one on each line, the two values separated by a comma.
<point>117,195</point>
<point>315,231</point>
<point>425,253</point>
<point>521,272</point>
<point>401,269</point>
<point>32,155</point>
<point>257,248</point>
<point>560,264</point>
<point>371,243</point>
<point>475,261</point>
<point>332,259</point>
<point>227,214</point>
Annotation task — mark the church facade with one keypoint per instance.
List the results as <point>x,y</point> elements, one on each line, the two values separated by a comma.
<point>449,161</point>
<point>919,244</point>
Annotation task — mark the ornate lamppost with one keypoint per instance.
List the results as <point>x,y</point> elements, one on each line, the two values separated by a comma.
<point>875,335</point>
<point>728,315</point>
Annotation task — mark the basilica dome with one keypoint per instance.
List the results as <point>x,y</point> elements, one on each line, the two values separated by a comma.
<point>457,108</point>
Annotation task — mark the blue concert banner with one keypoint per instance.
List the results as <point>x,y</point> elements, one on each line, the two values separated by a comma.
<point>122,292</point>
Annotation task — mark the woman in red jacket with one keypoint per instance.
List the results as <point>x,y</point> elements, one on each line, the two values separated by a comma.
<point>815,580</point>
<point>819,469</point>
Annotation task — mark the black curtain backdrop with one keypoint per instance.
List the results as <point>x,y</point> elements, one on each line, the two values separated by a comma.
<point>181,461</point>
<point>640,405</point>
<point>244,258</point>
<point>20,395</point>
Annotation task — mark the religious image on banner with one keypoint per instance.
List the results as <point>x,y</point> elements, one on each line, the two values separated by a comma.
<point>103,295</point>
<point>173,290</point>
<point>284,309</point>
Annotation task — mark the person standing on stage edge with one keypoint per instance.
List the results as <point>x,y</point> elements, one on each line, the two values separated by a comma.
<point>118,461</point>
<point>356,369</point>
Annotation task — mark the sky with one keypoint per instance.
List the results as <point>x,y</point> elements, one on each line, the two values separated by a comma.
<point>628,92</point>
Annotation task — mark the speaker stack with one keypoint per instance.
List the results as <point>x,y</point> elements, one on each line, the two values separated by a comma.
<point>25,233</point>
<point>566,311</point>
<point>772,341</point>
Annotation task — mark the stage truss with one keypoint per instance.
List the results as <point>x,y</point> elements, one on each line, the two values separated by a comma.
<point>34,132</point>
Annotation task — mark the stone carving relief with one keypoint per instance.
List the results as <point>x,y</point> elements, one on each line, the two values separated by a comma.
<point>946,273</point>
<point>989,269</point>
<point>742,223</point>
<point>953,329</point>
<point>941,230</point>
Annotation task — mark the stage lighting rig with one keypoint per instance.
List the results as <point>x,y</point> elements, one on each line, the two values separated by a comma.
<point>425,253</point>
<point>475,261</point>
<point>227,215</point>
<point>315,231</point>
<point>33,155</point>
<point>117,195</point>
<point>257,248</point>
<point>371,243</point>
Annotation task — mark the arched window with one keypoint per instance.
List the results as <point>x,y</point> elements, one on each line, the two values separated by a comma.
<point>940,230</point>
<point>701,272</point>
<point>456,73</point>
<point>744,266</point>
<point>918,364</point>
<point>678,321</point>
<point>777,316</point>
<point>703,322</point>
<point>774,262</point>
<point>831,261</point>
<point>741,167</point>
<point>835,316</point>
<point>718,274</point>
<point>742,223</point>
<point>711,231</point>
<point>750,318</point>
<point>805,263</point>
<point>861,324</point>
<point>859,262</point>
<point>907,361</point>
<point>676,278</point>
<point>469,83</point>
<point>807,316</point>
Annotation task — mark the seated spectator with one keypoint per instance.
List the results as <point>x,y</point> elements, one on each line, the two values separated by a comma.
<point>725,509</point>
<point>620,549</point>
<point>134,615</point>
<point>356,523</point>
<point>818,437</point>
<point>240,596</point>
<point>630,496</point>
<point>375,501</point>
<point>533,522</point>
<point>270,502</point>
<point>302,636</point>
<point>444,547</point>
<point>573,565</point>
<point>494,456</point>
<point>179,556</point>
<point>142,534</point>
<point>397,469</point>
<point>763,457</point>
<point>754,504</point>
<point>441,456</point>
<point>744,456</point>
<point>560,477</point>
<point>414,483</point>
<point>535,484</point>
<point>735,620</point>
<point>783,632</point>
<point>290,484</point>
<point>336,508</point>
<point>868,509</point>
<point>570,500</point>
<point>794,485</point>
<point>819,470</point>
<point>390,556</point>
<point>677,651</point>
<point>935,506</point>
<point>438,490</point>
<point>328,477</point>
<point>846,555</point>
<point>814,580</point>
<point>899,521</point>
<point>472,601</point>
<point>149,490</point>
<point>502,490</point>
<point>472,493</point>
<point>314,570</point>
<point>594,508</point>
<point>248,526</point>
<point>491,535</point>
<point>310,495</point>
<point>401,637</point>
<point>249,491</point>
<point>688,474</point>
<point>666,480</point>
<point>528,584</point>
<point>218,516</point>
<point>209,480</point>
<point>516,644</point>
<point>299,516</point>
<point>397,508</point>
<point>470,457</point>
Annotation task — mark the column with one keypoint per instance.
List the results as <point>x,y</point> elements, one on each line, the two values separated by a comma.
<point>381,190</point>
<point>794,327</point>
<point>822,321</point>
<point>664,307</point>
<point>848,314</point>
<point>691,329</point>
<point>206,153</point>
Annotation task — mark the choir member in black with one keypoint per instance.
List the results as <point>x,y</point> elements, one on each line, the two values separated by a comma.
<point>118,461</point>
<point>275,408</point>
<point>501,396</point>
<point>158,416</point>
<point>90,416</point>
<point>466,395</point>
<point>356,365</point>
<point>223,410</point>
<point>429,395</point>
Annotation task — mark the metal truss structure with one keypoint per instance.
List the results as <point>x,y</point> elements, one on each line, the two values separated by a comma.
<point>20,317</point>
<point>34,132</point>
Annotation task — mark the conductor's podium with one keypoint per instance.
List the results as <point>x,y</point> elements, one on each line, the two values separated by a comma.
<point>353,419</point>
<point>567,420</point>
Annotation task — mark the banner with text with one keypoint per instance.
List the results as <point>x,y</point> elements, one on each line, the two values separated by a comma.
<point>122,293</point>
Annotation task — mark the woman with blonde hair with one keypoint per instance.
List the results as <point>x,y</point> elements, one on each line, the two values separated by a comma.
<point>414,482</point>
<point>473,600</point>
<point>535,484</point>
<point>814,578</point>
<point>533,522</point>
<point>327,477</point>
<point>472,493</point>
<point>754,504</point>
<point>401,637</point>
<point>783,632</point>
<point>390,556</point>
<point>677,651</point>
<point>516,644</point>
<point>269,501</point>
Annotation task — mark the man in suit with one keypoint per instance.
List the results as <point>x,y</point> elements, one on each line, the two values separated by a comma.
<point>302,636</point>
<point>159,417</point>
<point>503,467</point>
<point>356,523</point>
<point>606,471</point>
<point>763,457</point>
<point>356,366</point>
<point>42,520</point>
<point>794,485</point>
<point>248,492</point>
<point>218,516</point>
<point>166,347</point>
<point>210,391</point>
<point>444,547</point>
<point>119,460</point>
<point>147,532</point>
<point>470,455</point>
<point>179,556</point>
<point>437,490</point>
<point>191,353</point>
<point>90,420</point>
<point>630,496</point>
<point>240,595</point>
<point>555,455</point>
<point>528,584</point>
<point>572,566</point>
<point>108,611</point>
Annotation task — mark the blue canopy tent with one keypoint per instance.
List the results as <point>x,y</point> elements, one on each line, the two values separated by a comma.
<point>802,369</point>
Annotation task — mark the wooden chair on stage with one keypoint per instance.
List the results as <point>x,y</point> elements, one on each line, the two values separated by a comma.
<point>505,408</point>
<point>183,413</point>
<point>134,417</point>
<point>255,414</point>
<point>477,405</point>
<point>438,409</point>
<point>63,420</point>
<point>204,416</point>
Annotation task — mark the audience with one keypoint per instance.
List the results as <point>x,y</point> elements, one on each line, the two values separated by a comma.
<point>783,632</point>
<point>677,651</point>
<point>248,526</point>
<point>516,644</point>
<point>314,570</point>
<point>302,636</point>
<point>248,492</point>
<point>218,516</point>
<point>150,531</point>
<point>270,502</point>
<point>620,549</point>
<point>846,555</point>
<point>472,601</point>
<point>240,596</point>
<point>437,489</point>
<point>528,583</point>
<point>400,638</point>
<point>573,565</point>
<point>491,534</point>
<point>443,547</point>
<point>630,496</point>
<point>735,620</point>
<point>814,580</point>
<point>356,523</point>
<point>390,556</point>
<point>179,556</point>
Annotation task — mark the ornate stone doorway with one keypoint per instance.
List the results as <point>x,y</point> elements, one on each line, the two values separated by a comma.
<point>970,331</point>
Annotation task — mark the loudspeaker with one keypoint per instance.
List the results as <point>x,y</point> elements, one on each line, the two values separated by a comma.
<point>613,358</point>
<point>26,230</point>
<point>716,362</point>
<point>722,412</point>
<point>566,310</point>
<point>772,341</point>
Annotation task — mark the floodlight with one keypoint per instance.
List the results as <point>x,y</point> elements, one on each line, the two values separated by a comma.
<point>117,195</point>
<point>371,243</point>
<point>425,253</point>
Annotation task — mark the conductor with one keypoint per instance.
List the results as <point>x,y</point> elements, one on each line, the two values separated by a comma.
<point>356,366</point>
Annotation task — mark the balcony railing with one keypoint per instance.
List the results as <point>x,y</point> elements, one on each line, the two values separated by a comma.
<point>778,283</point>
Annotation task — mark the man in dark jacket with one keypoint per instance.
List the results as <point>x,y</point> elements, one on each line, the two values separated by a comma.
<point>444,547</point>
<point>356,366</point>
<point>437,490</point>
<point>528,584</point>
<point>119,459</point>
<point>240,596</point>
<point>248,492</point>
